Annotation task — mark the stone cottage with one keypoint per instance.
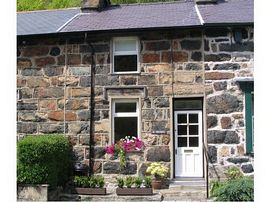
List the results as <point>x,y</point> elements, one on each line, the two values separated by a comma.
<point>178,75</point>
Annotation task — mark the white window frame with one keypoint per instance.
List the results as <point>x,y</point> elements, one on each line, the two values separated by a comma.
<point>115,53</point>
<point>125,114</point>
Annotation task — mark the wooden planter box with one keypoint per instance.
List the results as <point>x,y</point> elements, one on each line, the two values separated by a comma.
<point>89,191</point>
<point>134,191</point>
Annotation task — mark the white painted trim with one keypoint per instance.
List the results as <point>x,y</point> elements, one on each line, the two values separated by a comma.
<point>199,14</point>
<point>123,114</point>
<point>62,26</point>
<point>136,52</point>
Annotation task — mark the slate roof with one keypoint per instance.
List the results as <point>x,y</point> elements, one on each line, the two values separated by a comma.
<point>181,13</point>
<point>229,11</point>
<point>43,22</point>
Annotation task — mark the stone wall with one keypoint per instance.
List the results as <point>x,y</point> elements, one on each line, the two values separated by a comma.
<point>226,60</point>
<point>55,98</point>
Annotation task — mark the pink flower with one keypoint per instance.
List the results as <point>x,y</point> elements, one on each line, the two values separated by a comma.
<point>110,149</point>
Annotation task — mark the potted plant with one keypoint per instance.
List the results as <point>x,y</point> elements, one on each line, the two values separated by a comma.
<point>158,171</point>
<point>134,186</point>
<point>89,185</point>
<point>127,144</point>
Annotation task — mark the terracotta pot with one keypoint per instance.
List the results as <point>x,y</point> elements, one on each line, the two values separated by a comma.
<point>156,184</point>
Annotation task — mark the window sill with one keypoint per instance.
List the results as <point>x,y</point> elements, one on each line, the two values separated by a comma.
<point>124,73</point>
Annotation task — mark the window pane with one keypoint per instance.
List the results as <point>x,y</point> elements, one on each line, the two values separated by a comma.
<point>193,130</point>
<point>125,107</point>
<point>125,45</point>
<point>125,126</point>
<point>125,63</point>
<point>182,118</point>
<point>193,118</point>
<point>182,142</point>
<point>182,130</point>
<point>193,141</point>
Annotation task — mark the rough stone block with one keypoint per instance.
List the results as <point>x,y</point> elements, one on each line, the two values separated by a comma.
<point>159,126</point>
<point>224,151</point>
<point>53,71</point>
<point>78,92</point>
<point>160,153</point>
<point>26,106</point>
<point>44,61</point>
<point>217,58</point>
<point>227,66</point>
<point>218,137</point>
<point>31,117</point>
<point>105,80</point>
<point>159,68</point>
<point>193,66</point>
<point>247,168</point>
<point>28,128</point>
<point>212,152</point>
<point>224,103</point>
<point>218,75</point>
<point>211,121</point>
<point>157,46</point>
<point>245,46</point>
<point>128,80</point>
<point>97,167</point>
<point>225,122</point>
<point>35,51</point>
<point>50,92</point>
<point>79,128</point>
<point>151,58</point>
<point>238,160</point>
<point>191,44</point>
<point>102,127</point>
<point>74,104</point>
<point>78,153</point>
<point>177,56</point>
<point>196,56</point>
<point>220,85</point>
<point>84,115</point>
<point>38,82</point>
<point>31,72</point>
<point>149,139</point>
<point>85,81</point>
<point>59,116</point>
<point>102,69</point>
<point>184,77</point>
<point>99,152</point>
<point>80,71</point>
<point>149,79</point>
<point>25,93</point>
<point>87,59</point>
<point>161,102</point>
<point>74,59</point>
<point>23,63</point>
<point>55,51</point>
<point>184,89</point>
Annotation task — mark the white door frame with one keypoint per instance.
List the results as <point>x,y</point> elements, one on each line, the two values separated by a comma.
<point>188,160</point>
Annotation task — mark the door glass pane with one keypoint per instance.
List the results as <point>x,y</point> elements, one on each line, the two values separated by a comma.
<point>125,107</point>
<point>193,118</point>
<point>182,130</point>
<point>125,63</point>
<point>193,129</point>
<point>182,118</point>
<point>182,141</point>
<point>125,126</point>
<point>125,45</point>
<point>193,141</point>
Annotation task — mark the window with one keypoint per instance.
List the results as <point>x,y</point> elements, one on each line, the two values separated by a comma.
<point>125,117</point>
<point>125,55</point>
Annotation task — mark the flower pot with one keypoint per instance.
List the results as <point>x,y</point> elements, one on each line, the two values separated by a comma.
<point>156,184</point>
<point>89,191</point>
<point>134,191</point>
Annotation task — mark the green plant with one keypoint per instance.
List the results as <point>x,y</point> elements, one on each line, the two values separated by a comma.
<point>44,159</point>
<point>233,173</point>
<point>147,181</point>
<point>240,189</point>
<point>129,181</point>
<point>157,170</point>
<point>120,182</point>
<point>138,182</point>
<point>100,181</point>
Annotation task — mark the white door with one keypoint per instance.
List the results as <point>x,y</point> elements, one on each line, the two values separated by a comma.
<point>188,143</point>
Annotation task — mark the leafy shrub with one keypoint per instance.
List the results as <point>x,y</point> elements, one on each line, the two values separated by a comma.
<point>233,173</point>
<point>120,182</point>
<point>129,181</point>
<point>43,159</point>
<point>241,189</point>
<point>138,182</point>
<point>147,181</point>
<point>89,181</point>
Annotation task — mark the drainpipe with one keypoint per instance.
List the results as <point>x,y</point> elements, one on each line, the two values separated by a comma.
<point>91,107</point>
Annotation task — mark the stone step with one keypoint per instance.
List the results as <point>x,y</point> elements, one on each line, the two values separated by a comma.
<point>183,195</point>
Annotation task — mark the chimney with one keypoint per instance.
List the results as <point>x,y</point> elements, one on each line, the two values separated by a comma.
<point>205,1</point>
<point>99,5</point>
